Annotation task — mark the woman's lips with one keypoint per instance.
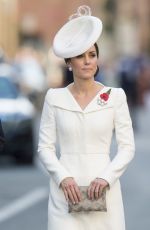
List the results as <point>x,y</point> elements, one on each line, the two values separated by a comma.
<point>86,69</point>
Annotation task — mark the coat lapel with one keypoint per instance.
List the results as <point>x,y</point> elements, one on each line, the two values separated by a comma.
<point>63,99</point>
<point>96,106</point>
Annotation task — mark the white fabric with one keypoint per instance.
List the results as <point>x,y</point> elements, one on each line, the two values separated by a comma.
<point>77,36</point>
<point>84,138</point>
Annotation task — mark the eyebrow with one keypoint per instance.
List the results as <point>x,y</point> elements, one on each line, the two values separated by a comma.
<point>92,51</point>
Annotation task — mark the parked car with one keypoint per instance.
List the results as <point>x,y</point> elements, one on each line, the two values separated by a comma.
<point>17,114</point>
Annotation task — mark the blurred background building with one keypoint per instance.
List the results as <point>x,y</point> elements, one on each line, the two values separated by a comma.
<point>9,39</point>
<point>126,23</point>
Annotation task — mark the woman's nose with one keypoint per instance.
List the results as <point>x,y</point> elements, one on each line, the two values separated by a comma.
<point>86,60</point>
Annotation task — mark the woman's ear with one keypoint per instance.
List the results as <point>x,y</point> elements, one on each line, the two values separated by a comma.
<point>69,65</point>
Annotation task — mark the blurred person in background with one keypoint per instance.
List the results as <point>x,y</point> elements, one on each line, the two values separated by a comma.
<point>134,78</point>
<point>128,77</point>
<point>7,69</point>
<point>2,138</point>
<point>2,56</point>
<point>143,81</point>
<point>31,72</point>
<point>81,119</point>
<point>55,66</point>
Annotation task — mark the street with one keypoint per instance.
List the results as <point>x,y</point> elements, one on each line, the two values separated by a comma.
<point>24,189</point>
<point>23,198</point>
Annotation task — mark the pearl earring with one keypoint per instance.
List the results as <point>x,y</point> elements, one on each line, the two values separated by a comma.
<point>70,68</point>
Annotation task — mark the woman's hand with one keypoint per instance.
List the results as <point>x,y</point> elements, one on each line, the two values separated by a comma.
<point>96,187</point>
<point>71,190</point>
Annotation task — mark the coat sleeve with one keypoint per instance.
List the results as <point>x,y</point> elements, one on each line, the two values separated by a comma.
<point>47,143</point>
<point>125,140</point>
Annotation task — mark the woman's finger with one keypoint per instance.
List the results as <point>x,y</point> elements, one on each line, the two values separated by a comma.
<point>78,193</point>
<point>91,191</point>
<point>74,194</point>
<point>101,190</point>
<point>66,194</point>
<point>97,191</point>
<point>70,195</point>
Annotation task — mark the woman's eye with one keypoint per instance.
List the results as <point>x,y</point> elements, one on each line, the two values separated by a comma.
<point>93,55</point>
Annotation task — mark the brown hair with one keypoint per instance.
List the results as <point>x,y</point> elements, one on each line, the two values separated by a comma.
<point>97,52</point>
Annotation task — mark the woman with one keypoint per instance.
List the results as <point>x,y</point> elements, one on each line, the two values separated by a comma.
<point>80,120</point>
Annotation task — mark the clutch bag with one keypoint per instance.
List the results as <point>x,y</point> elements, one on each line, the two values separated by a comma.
<point>87,205</point>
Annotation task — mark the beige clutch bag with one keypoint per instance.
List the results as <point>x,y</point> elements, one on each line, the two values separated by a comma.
<point>86,205</point>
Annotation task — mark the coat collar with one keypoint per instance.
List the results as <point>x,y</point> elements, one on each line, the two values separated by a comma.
<point>62,98</point>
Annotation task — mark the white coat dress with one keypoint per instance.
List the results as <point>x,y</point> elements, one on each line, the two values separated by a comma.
<point>84,138</point>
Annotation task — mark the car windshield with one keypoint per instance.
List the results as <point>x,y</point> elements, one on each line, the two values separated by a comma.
<point>7,88</point>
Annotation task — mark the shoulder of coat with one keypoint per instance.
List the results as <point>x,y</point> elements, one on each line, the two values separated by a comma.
<point>118,95</point>
<point>116,90</point>
<point>54,94</point>
<point>55,91</point>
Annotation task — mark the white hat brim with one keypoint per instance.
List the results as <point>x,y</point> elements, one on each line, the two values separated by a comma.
<point>77,36</point>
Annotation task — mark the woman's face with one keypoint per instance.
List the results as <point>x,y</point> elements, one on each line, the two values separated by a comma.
<point>84,66</point>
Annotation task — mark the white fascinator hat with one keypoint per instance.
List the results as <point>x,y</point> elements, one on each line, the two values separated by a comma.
<point>78,34</point>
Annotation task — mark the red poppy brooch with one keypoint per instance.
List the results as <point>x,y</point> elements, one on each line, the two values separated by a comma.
<point>103,98</point>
